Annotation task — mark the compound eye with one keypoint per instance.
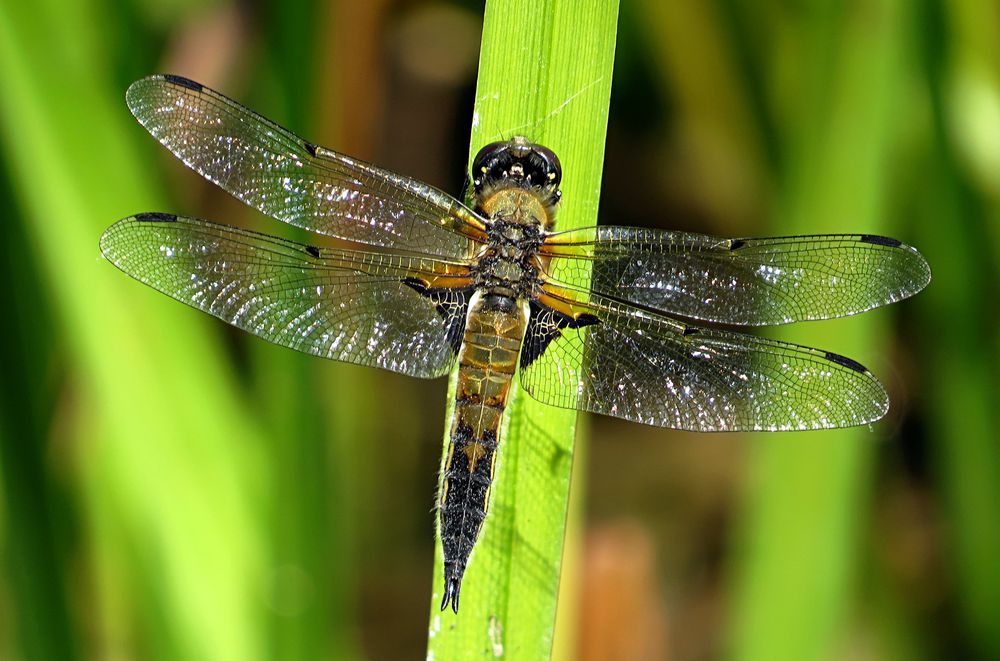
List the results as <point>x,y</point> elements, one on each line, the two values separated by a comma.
<point>553,169</point>
<point>483,160</point>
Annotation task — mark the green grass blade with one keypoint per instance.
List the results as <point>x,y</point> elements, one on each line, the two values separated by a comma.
<point>545,72</point>
<point>167,461</point>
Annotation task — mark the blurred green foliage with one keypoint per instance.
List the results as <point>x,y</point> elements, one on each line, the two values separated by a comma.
<point>173,490</point>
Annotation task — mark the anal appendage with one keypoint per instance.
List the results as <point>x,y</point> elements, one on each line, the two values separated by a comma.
<point>452,585</point>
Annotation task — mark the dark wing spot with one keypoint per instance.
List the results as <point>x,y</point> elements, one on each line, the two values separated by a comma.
<point>880,240</point>
<point>451,303</point>
<point>544,326</point>
<point>735,244</point>
<point>416,284</point>
<point>183,82</point>
<point>156,217</point>
<point>845,361</point>
<point>312,250</point>
<point>690,330</point>
<point>310,147</point>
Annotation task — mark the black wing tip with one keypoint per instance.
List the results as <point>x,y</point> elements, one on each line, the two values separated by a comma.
<point>849,363</point>
<point>155,217</point>
<point>878,240</point>
<point>920,264</point>
<point>180,80</point>
<point>310,147</point>
<point>916,263</point>
<point>312,250</point>
<point>106,241</point>
<point>452,585</point>
<point>134,93</point>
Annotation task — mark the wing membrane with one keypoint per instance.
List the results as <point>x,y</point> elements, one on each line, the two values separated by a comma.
<point>341,305</point>
<point>282,175</point>
<point>651,369</point>
<point>750,282</point>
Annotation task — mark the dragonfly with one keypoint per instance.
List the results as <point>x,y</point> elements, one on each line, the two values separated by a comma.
<point>420,281</point>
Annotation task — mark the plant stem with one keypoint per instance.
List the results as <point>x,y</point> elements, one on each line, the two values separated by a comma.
<point>545,73</point>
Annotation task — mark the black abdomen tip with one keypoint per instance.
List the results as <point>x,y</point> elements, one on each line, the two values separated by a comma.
<point>452,585</point>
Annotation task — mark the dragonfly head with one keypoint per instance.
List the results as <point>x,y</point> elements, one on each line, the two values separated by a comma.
<point>517,162</point>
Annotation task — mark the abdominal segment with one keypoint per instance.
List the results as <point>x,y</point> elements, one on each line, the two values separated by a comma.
<point>488,357</point>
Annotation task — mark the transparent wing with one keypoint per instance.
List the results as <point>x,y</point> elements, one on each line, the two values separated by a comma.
<point>750,282</point>
<point>294,181</point>
<point>354,307</point>
<point>651,369</point>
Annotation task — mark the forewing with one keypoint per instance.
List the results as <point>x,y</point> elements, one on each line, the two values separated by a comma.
<point>354,307</point>
<point>294,181</point>
<point>751,282</point>
<point>647,368</point>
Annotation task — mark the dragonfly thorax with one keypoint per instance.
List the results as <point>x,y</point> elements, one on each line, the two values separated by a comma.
<point>508,264</point>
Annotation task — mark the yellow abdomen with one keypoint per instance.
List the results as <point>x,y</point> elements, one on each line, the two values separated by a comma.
<point>494,331</point>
